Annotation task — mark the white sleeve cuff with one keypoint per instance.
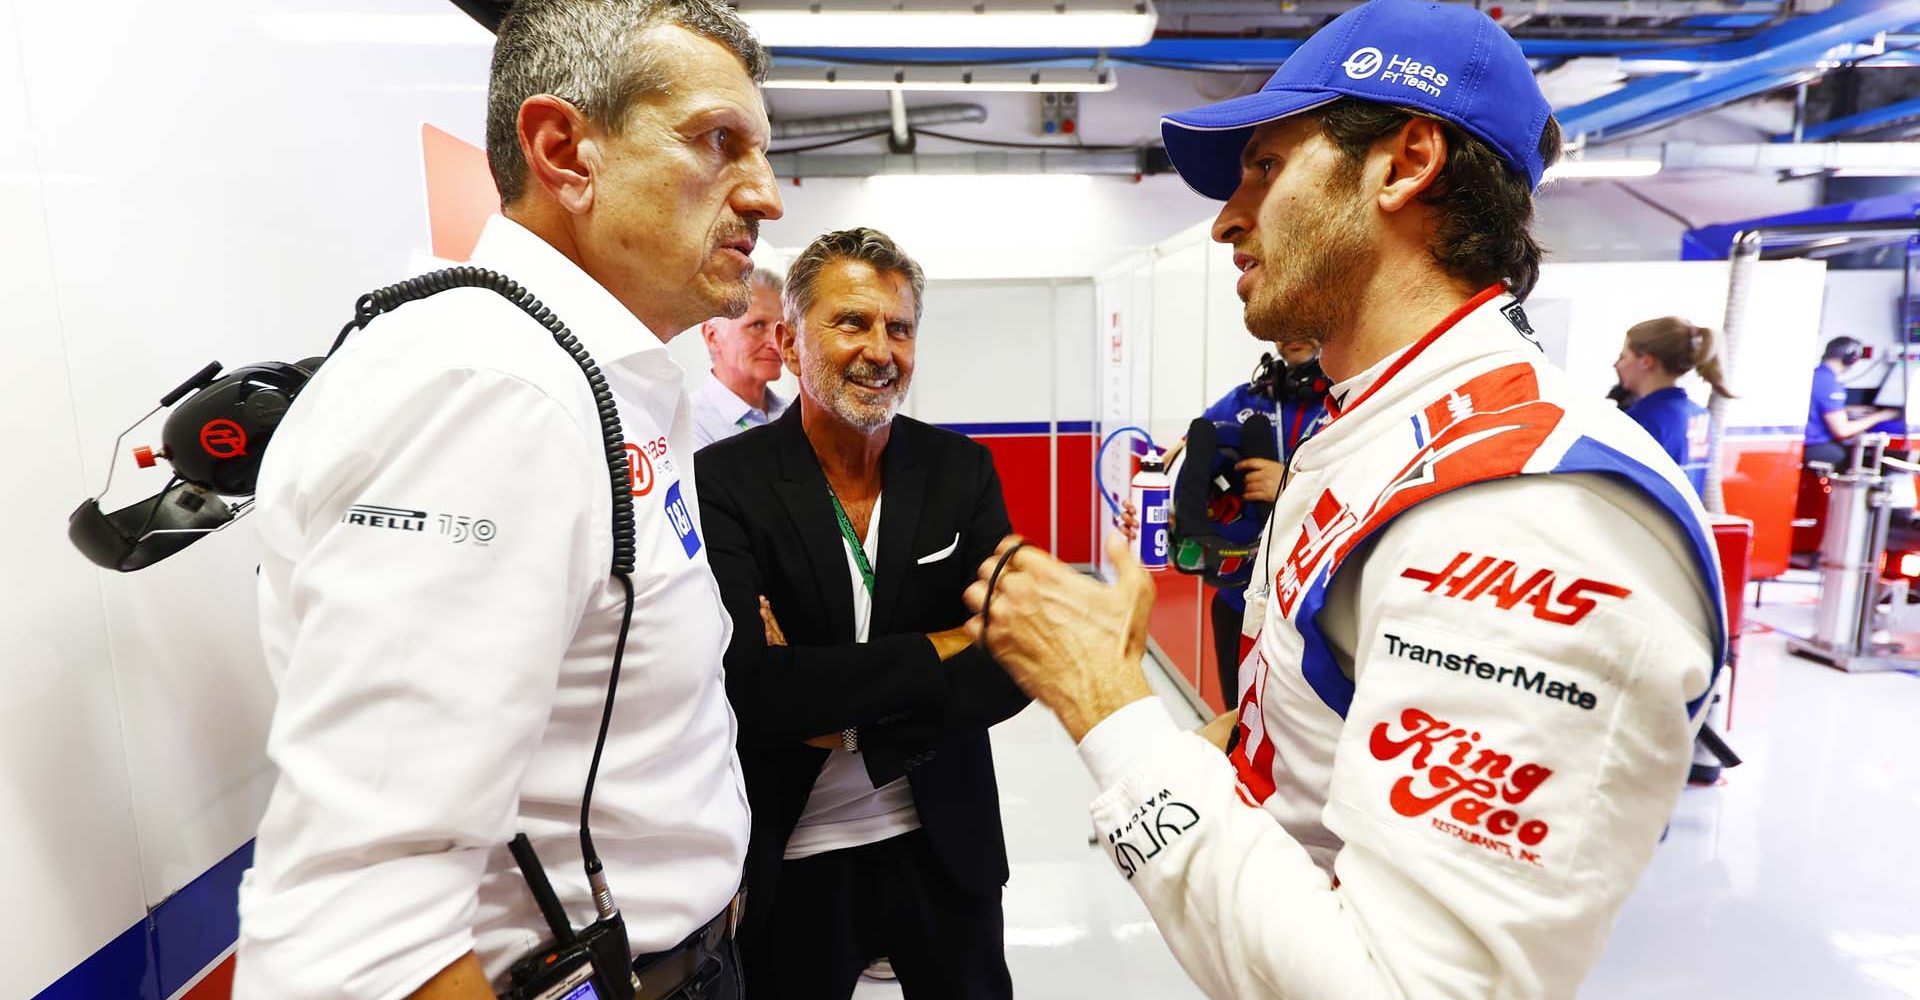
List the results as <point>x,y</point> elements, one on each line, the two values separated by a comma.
<point>1122,740</point>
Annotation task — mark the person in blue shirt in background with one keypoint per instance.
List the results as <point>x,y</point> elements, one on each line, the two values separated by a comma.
<point>1653,358</point>
<point>1831,427</point>
<point>1290,393</point>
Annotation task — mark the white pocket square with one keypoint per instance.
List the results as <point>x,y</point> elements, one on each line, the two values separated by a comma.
<point>943,553</point>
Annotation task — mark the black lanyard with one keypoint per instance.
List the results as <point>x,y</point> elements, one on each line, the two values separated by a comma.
<point>853,541</point>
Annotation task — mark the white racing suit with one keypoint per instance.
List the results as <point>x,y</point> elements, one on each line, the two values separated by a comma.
<point>1487,616</point>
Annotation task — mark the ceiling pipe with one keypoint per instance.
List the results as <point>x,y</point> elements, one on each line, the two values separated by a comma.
<point>939,114</point>
<point>1050,161</point>
<point>1673,157</point>
<point>899,136</point>
<point>1891,158</point>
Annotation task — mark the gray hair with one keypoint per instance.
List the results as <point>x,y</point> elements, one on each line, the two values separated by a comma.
<point>585,53</point>
<point>769,280</point>
<point>869,245</point>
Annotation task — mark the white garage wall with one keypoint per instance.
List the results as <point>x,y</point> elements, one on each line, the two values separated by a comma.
<point>183,185</point>
<point>66,811</point>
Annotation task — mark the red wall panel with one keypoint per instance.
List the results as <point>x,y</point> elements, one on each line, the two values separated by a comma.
<point>1176,622</point>
<point>1026,480</point>
<point>1077,502</point>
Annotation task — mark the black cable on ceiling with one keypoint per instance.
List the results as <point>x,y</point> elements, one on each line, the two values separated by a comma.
<point>965,140</point>
<point>856,137</point>
<point>999,144</point>
<point>1224,69</point>
<point>1656,206</point>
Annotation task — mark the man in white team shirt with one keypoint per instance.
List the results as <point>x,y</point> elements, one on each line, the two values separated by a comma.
<point>436,514</point>
<point>745,350</point>
<point>1487,611</point>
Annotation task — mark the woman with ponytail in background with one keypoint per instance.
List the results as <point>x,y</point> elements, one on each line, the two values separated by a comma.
<point>1654,357</point>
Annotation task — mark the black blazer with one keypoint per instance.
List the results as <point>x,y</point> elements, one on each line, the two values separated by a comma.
<point>771,531</point>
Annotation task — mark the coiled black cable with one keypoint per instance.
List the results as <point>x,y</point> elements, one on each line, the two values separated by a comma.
<point>385,300</point>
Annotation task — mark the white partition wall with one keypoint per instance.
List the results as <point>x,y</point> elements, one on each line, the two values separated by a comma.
<point>180,183</point>
<point>66,812</point>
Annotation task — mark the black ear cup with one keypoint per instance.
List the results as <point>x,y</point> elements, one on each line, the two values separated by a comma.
<point>1257,438</point>
<point>1304,383</point>
<point>1196,475</point>
<point>216,437</point>
<point>138,536</point>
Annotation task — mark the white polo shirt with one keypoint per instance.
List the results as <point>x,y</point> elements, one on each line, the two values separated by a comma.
<point>718,414</point>
<point>437,611</point>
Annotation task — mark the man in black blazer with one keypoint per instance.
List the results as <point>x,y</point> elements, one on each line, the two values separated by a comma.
<point>843,536</point>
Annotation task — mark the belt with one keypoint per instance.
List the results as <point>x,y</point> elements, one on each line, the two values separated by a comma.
<point>662,974</point>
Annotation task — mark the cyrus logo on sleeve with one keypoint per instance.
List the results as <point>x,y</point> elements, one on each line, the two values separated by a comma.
<point>1154,824</point>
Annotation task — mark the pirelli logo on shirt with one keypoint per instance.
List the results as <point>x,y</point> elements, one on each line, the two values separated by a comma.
<point>457,529</point>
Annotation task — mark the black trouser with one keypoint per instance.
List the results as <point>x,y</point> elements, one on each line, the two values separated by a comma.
<point>718,975</point>
<point>1226,647</point>
<point>1831,452</point>
<point>835,912</point>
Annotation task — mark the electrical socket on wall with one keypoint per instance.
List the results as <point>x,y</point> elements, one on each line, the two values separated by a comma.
<point>1059,113</point>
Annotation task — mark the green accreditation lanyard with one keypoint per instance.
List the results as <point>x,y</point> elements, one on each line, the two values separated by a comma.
<point>853,541</point>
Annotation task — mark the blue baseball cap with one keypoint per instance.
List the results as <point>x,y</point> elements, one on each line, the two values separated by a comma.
<point>1446,59</point>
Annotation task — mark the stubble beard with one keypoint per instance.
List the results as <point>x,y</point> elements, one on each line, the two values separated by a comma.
<point>831,387</point>
<point>1315,273</point>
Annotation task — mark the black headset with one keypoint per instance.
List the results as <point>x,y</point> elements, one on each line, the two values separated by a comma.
<point>1281,382</point>
<point>221,426</point>
<point>215,438</point>
<point>1845,350</point>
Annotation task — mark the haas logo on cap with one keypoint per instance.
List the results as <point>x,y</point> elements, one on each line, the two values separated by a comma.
<point>1363,63</point>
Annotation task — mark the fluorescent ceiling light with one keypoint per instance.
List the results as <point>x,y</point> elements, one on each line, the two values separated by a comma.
<point>345,28</point>
<point>1601,169</point>
<point>953,78</point>
<point>1089,24</point>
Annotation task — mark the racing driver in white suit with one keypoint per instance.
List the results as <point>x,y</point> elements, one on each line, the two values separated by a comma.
<point>1488,608</point>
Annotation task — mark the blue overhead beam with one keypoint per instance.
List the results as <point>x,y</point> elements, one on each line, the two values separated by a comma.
<point>1879,117</point>
<point>1263,52</point>
<point>1730,70</point>
<point>1716,242</point>
<point>1703,102</point>
<point>1804,38</point>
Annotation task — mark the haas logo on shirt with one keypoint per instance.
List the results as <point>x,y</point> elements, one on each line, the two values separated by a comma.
<point>1479,785</point>
<point>1507,586</point>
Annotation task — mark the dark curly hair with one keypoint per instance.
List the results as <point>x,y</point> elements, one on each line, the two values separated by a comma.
<point>1485,206</point>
